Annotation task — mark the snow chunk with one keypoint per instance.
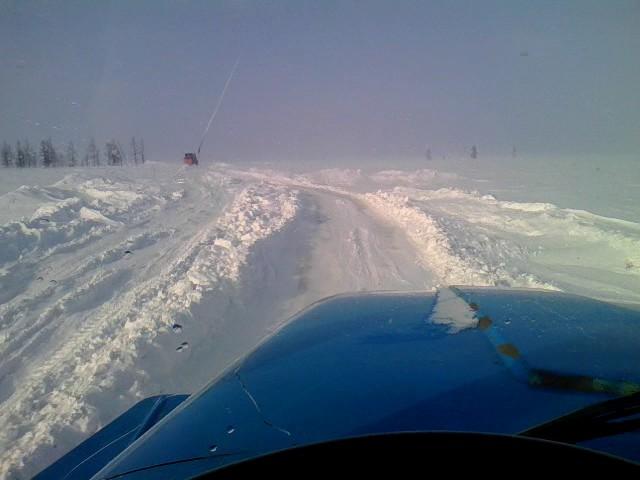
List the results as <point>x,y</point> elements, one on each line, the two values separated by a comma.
<point>95,216</point>
<point>453,311</point>
<point>58,211</point>
<point>197,278</point>
<point>221,242</point>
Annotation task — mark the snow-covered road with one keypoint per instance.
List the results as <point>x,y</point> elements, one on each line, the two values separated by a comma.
<point>116,284</point>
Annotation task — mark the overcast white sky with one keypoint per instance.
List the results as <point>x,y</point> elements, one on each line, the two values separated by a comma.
<point>322,79</point>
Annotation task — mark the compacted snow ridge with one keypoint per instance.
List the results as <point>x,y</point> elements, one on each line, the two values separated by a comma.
<point>457,259</point>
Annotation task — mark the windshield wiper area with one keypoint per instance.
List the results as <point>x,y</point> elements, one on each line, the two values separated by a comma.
<point>603,419</point>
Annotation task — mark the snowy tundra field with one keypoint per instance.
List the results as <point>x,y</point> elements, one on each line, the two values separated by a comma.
<point>120,283</point>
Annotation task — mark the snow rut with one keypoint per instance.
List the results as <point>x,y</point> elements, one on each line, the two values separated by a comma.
<point>464,237</point>
<point>75,213</point>
<point>442,245</point>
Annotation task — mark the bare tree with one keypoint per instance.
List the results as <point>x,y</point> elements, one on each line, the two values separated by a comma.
<point>92,157</point>
<point>72,156</point>
<point>47,153</point>
<point>122,154</point>
<point>7,155</point>
<point>113,153</point>
<point>134,150</point>
<point>30,156</point>
<point>44,154</point>
<point>109,152</point>
<point>20,160</point>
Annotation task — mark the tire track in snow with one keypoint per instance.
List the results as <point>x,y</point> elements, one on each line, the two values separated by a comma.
<point>13,310</point>
<point>56,392</point>
<point>433,246</point>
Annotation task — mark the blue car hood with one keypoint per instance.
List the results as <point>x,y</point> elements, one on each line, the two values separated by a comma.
<point>461,359</point>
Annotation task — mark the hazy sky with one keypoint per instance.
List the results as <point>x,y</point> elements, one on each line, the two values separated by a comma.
<point>324,79</point>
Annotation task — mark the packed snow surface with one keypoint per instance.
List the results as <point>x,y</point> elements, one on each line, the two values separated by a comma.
<point>119,283</point>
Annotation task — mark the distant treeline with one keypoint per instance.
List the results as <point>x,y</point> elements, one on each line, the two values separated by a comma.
<point>24,155</point>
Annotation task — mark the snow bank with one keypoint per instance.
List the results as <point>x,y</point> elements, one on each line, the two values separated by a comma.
<point>95,328</point>
<point>476,239</point>
<point>454,260</point>
<point>341,177</point>
<point>416,177</point>
<point>73,212</point>
<point>256,213</point>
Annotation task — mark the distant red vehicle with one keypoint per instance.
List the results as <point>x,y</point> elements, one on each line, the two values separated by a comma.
<point>190,159</point>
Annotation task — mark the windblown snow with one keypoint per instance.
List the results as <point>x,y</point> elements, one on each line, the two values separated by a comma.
<point>120,283</point>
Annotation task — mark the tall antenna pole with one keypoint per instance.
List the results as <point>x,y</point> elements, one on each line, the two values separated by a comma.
<point>220,99</point>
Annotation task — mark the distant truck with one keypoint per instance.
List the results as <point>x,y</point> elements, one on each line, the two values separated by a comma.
<point>190,159</point>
